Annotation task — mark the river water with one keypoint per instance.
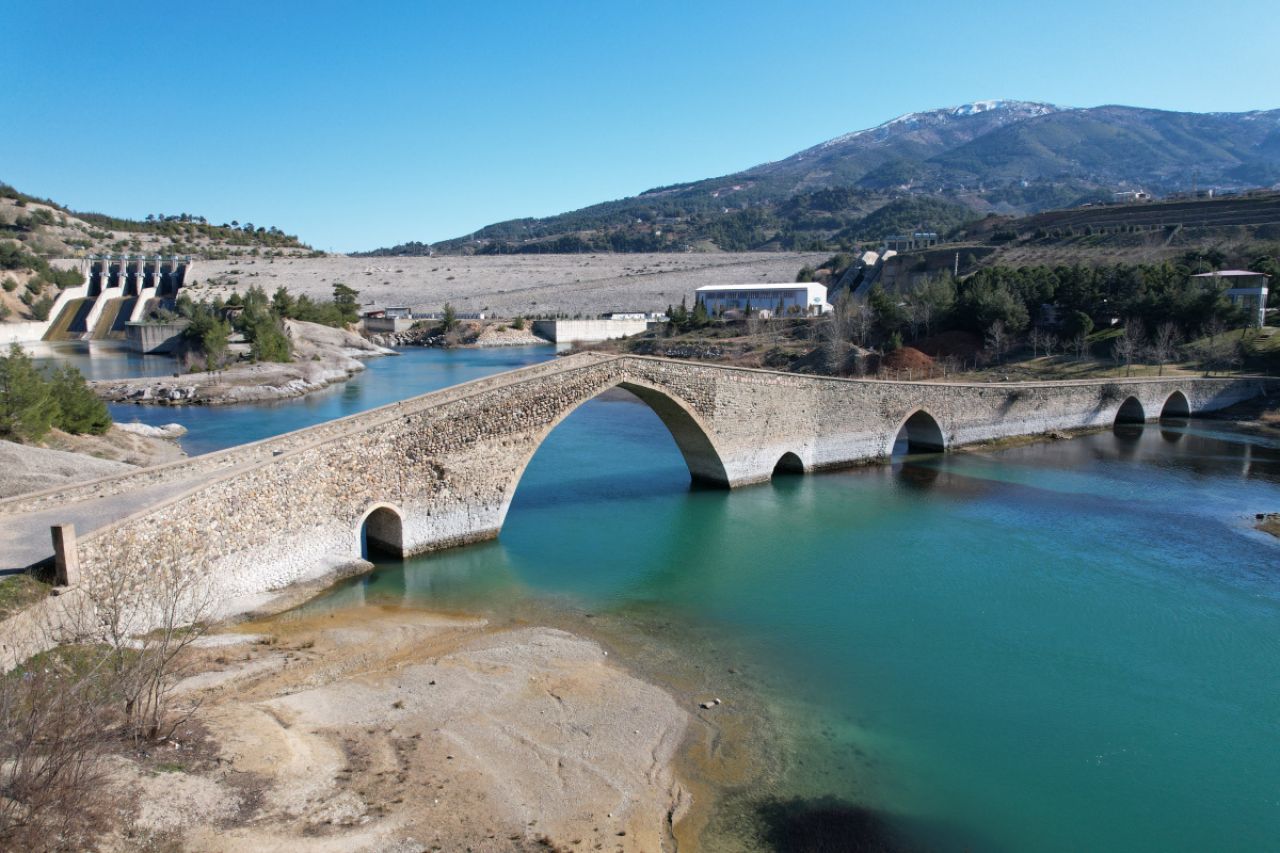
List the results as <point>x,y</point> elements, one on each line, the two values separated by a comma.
<point>385,380</point>
<point>1063,646</point>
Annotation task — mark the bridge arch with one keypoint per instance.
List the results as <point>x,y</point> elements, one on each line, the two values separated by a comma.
<point>380,530</point>
<point>921,432</point>
<point>1177,406</point>
<point>1131,412</point>
<point>691,434</point>
<point>788,463</point>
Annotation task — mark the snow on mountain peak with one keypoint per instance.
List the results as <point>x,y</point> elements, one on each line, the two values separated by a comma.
<point>1022,109</point>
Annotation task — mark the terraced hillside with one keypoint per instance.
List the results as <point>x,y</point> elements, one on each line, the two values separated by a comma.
<point>1254,210</point>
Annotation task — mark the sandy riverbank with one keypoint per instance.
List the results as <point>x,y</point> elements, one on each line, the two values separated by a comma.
<point>384,729</point>
<point>321,356</point>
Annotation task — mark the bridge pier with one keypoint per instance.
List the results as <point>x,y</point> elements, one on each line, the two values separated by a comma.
<point>441,469</point>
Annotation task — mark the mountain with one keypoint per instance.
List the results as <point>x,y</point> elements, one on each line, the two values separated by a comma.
<point>931,169</point>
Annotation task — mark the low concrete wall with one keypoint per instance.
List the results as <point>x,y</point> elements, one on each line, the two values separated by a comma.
<point>27,332</point>
<point>154,337</point>
<point>587,331</point>
<point>388,325</point>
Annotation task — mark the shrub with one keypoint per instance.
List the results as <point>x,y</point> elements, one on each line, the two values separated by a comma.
<point>79,409</point>
<point>41,307</point>
<point>267,340</point>
<point>10,284</point>
<point>448,319</point>
<point>65,278</point>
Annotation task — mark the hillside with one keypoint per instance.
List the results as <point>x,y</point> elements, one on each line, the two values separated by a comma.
<point>1232,231</point>
<point>934,169</point>
<point>49,230</point>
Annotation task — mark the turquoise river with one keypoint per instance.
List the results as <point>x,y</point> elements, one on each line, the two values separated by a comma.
<point>1061,646</point>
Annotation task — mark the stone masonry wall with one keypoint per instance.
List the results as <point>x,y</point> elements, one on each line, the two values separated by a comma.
<point>449,462</point>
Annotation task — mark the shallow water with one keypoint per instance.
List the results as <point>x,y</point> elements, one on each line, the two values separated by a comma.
<point>1063,646</point>
<point>1066,646</point>
<point>416,370</point>
<point>100,359</point>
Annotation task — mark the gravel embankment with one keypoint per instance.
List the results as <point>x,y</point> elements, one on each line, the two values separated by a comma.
<point>509,285</point>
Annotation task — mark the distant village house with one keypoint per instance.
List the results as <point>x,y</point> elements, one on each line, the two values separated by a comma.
<point>1245,288</point>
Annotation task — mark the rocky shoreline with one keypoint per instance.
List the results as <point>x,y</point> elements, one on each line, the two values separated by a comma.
<point>470,334</point>
<point>322,356</point>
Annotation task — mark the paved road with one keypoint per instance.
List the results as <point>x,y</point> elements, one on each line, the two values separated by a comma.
<point>25,539</point>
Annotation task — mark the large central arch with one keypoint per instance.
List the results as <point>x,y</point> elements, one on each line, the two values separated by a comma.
<point>691,435</point>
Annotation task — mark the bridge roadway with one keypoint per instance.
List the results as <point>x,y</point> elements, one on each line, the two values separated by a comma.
<point>440,469</point>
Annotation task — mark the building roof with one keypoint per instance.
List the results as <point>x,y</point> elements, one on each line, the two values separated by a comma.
<point>777,285</point>
<point>1229,274</point>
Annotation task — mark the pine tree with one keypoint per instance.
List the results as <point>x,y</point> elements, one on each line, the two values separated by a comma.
<point>79,409</point>
<point>27,409</point>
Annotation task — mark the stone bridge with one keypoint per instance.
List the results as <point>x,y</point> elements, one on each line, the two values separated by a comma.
<point>441,469</point>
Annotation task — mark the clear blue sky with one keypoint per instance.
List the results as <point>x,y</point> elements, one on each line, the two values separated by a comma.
<point>356,125</point>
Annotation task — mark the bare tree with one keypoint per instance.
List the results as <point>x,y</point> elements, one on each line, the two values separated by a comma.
<point>1050,343</point>
<point>1164,344</point>
<point>1080,343</point>
<point>998,340</point>
<point>148,618</point>
<point>1036,339</point>
<point>56,712</point>
<point>1128,346</point>
<point>862,319</point>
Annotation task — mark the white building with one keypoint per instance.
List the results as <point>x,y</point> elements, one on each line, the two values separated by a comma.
<point>1130,196</point>
<point>779,300</point>
<point>910,242</point>
<point>1244,288</point>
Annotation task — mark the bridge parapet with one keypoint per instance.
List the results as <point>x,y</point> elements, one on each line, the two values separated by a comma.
<point>447,464</point>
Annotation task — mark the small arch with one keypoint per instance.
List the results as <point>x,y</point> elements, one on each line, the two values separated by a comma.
<point>919,432</point>
<point>380,531</point>
<point>788,463</point>
<point>1177,406</point>
<point>1131,412</point>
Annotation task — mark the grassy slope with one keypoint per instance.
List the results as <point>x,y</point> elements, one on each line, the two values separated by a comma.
<point>18,592</point>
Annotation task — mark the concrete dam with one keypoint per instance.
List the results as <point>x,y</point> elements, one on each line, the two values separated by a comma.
<point>118,290</point>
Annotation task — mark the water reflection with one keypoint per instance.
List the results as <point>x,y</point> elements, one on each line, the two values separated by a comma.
<point>100,359</point>
<point>1058,614</point>
<point>416,370</point>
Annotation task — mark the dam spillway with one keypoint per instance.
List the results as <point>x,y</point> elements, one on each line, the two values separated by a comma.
<point>118,290</point>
